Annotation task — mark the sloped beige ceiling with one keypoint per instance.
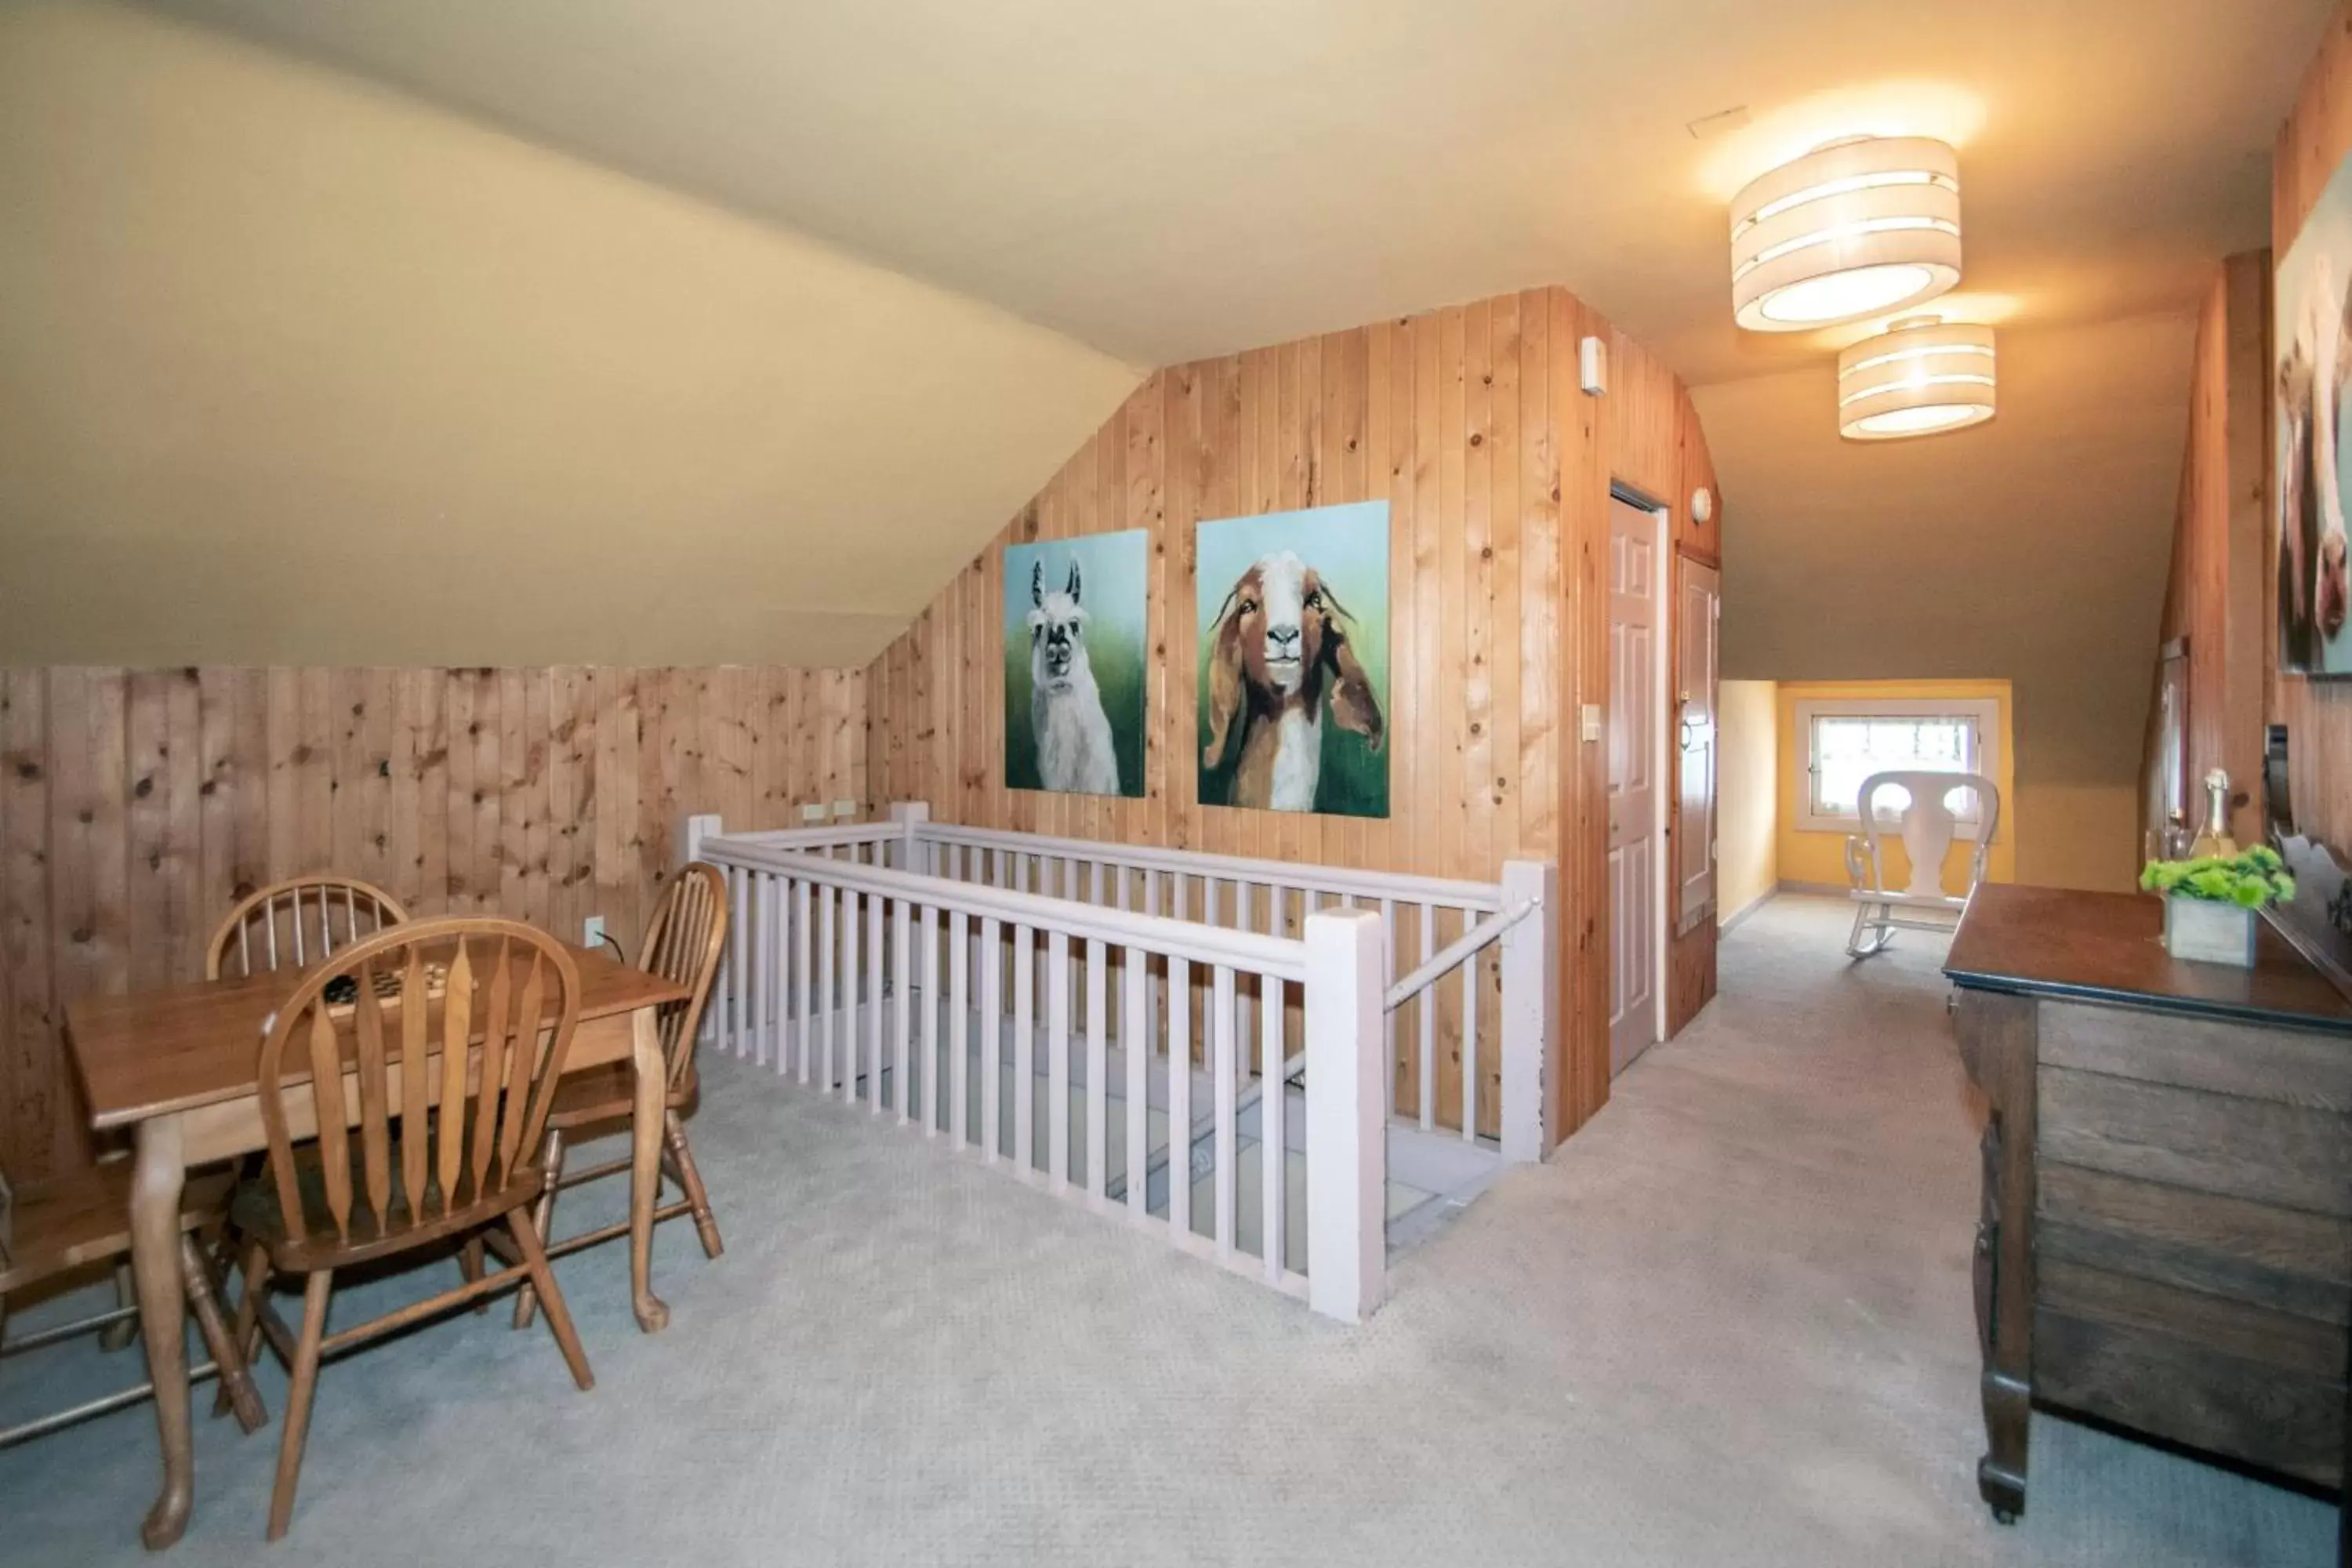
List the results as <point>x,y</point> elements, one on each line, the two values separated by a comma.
<point>296,369</point>
<point>2033,548</point>
<point>1168,179</point>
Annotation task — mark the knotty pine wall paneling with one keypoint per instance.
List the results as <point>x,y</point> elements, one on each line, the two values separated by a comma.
<point>2318,713</point>
<point>1468,421</point>
<point>137,805</point>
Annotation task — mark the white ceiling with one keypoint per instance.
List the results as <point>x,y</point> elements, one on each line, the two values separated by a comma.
<point>1166,179</point>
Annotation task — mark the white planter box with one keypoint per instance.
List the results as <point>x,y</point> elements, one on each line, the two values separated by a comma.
<point>2209,932</point>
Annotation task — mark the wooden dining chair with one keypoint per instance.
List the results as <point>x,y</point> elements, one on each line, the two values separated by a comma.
<point>288,924</point>
<point>443,1041</point>
<point>84,1219</point>
<point>683,944</point>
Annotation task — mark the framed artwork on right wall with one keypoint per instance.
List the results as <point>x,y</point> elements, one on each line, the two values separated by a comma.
<point>2313,344</point>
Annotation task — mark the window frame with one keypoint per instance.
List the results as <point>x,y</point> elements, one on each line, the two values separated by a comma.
<point>1984,712</point>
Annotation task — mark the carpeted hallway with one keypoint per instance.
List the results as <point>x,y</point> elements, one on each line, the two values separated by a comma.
<point>1729,1324</point>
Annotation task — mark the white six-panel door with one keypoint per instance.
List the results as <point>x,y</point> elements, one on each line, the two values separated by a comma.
<point>1635,715</point>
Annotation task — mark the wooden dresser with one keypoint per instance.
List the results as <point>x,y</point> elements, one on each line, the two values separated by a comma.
<point>2166,1239</point>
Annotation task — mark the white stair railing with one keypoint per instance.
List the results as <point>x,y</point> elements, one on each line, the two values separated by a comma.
<point>889,1021</point>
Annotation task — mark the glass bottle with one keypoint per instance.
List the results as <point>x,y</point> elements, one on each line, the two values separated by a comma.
<point>2214,838</point>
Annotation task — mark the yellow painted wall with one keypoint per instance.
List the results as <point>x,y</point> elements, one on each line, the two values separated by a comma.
<point>1820,857</point>
<point>1748,796</point>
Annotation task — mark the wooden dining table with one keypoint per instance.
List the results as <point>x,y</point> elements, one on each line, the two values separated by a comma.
<point>179,1067</point>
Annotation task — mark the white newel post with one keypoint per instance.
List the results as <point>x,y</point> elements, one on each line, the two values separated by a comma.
<point>691,834</point>
<point>910,816</point>
<point>1531,962</point>
<point>1347,1133</point>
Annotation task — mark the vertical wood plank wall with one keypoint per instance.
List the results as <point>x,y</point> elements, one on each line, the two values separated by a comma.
<point>1468,421</point>
<point>136,806</point>
<point>2318,714</point>
<point>2215,597</point>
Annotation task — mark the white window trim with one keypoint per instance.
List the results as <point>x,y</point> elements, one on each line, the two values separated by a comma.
<point>1985,710</point>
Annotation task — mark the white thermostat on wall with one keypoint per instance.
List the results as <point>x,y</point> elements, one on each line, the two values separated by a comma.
<point>1702,505</point>
<point>1592,365</point>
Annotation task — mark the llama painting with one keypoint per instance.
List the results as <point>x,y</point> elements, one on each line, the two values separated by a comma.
<point>1293,614</point>
<point>1074,638</point>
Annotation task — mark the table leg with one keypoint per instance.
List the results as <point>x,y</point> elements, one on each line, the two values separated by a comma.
<point>645,1126</point>
<point>155,1188</point>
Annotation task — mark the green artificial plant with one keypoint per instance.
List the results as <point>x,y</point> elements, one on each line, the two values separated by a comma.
<point>2248,879</point>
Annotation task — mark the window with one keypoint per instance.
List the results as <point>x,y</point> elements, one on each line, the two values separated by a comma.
<point>1846,742</point>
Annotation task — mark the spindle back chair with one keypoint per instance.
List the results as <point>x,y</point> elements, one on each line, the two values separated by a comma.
<point>404,1089</point>
<point>291,924</point>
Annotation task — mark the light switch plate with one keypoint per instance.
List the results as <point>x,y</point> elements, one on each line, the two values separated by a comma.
<point>845,809</point>
<point>1591,721</point>
<point>812,813</point>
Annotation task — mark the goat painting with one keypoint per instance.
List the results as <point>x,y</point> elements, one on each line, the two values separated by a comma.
<point>2312,342</point>
<point>1074,701</point>
<point>1294,661</point>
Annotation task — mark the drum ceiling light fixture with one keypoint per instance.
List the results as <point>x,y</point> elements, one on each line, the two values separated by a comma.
<point>1920,377</point>
<point>1853,228</point>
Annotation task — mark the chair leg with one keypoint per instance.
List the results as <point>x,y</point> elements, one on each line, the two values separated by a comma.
<point>245,1334</point>
<point>117,1335</point>
<point>706,1223</point>
<point>1863,921</point>
<point>559,1318</point>
<point>298,1399</point>
<point>550,1165</point>
<point>470,1264</point>
<point>236,1388</point>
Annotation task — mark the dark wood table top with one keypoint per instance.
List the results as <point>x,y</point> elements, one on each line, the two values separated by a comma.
<point>2109,947</point>
<point>177,1047</point>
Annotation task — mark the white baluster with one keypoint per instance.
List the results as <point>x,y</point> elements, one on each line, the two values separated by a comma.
<point>991,1036</point>
<point>764,969</point>
<point>1469,1043</point>
<point>801,938</point>
<point>1427,1005</point>
<point>738,970</point>
<point>1388,978</point>
<point>1135,1039</point>
<point>930,1020</point>
<point>1097,1066</point>
<point>1024,1048</point>
<point>876,961</point>
<point>1057,1059</point>
<point>902,976</point>
<point>1272,1133</point>
<point>960,1025</point>
<point>853,905</point>
<point>829,962</point>
<point>1179,1099</point>
<point>1222,1047</point>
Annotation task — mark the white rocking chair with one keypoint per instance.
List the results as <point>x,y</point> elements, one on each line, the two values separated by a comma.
<point>1926,828</point>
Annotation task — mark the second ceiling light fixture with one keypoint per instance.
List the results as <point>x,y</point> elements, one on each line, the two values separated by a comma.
<point>1861,228</point>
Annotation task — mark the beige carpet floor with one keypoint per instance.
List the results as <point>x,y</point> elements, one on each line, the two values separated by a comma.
<point>1729,1325</point>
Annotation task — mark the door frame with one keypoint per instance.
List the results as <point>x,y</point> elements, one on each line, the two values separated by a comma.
<point>1661,857</point>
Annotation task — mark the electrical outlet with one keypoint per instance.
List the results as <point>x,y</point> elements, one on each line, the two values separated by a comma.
<point>844,809</point>
<point>812,813</point>
<point>591,931</point>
